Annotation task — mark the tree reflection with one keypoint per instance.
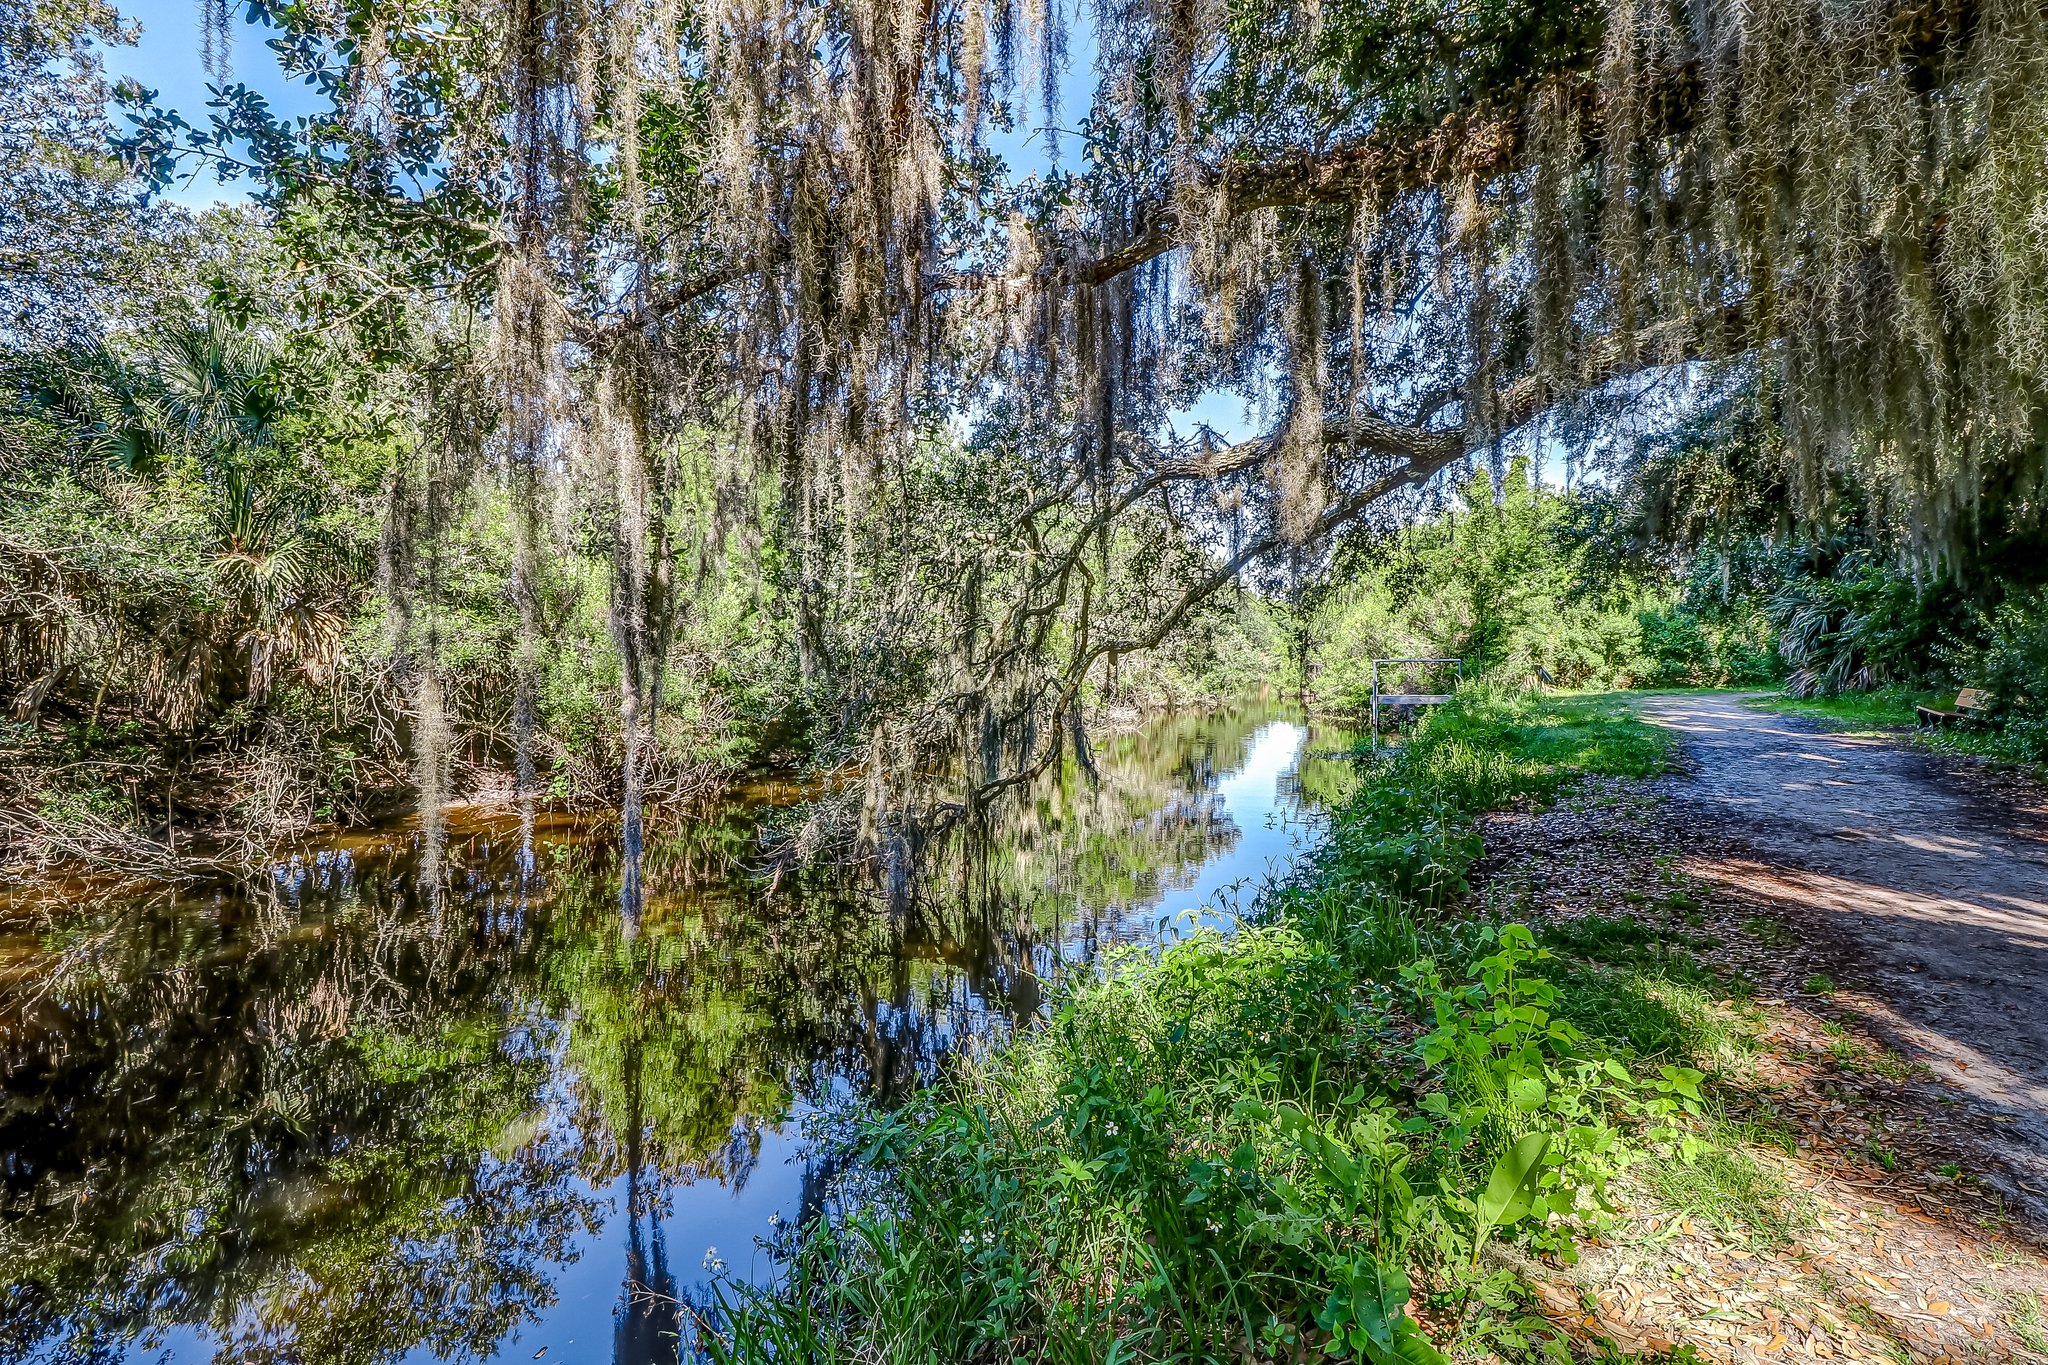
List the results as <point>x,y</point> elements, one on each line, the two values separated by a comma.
<point>331,1117</point>
<point>285,1117</point>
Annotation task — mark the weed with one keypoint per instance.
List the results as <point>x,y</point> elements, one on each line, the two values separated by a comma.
<point>1819,984</point>
<point>1727,1189</point>
<point>1763,1126</point>
<point>1852,1054</point>
<point>1627,940</point>
<point>1768,932</point>
<point>2028,1321</point>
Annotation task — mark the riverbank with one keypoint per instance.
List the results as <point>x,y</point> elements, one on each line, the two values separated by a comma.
<point>1386,1121</point>
<point>1327,1128</point>
<point>88,813</point>
<point>249,1117</point>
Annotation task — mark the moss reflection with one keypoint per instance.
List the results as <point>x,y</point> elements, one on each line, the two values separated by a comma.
<point>329,1117</point>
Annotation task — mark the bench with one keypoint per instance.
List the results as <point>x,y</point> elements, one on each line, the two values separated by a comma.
<point>1971,702</point>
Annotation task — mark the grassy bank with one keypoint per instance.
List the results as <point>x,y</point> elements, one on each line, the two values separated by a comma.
<point>1314,1135</point>
<point>1890,709</point>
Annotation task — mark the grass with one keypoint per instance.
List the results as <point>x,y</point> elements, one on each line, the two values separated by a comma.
<point>1730,1191</point>
<point>1885,708</point>
<point>2029,1322</point>
<point>1888,710</point>
<point>1301,1138</point>
<point>1552,740</point>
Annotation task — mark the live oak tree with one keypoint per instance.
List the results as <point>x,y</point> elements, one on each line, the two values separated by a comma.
<point>80,251</point>
<point>1406,231</point>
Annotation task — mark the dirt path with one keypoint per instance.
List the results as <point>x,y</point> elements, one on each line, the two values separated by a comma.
<point>1943,890</point>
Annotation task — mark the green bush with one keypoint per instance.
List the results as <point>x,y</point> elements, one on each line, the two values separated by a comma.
<point>2015,669</point>
<point>1864,625</point>
<point>1515,581</point>
<point>1495,582</point>
<point>1686,647</point>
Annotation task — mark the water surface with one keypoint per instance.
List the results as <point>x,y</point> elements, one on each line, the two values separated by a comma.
<point>331,1115</point>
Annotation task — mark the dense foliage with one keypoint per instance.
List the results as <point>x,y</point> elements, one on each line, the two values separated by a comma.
<point>590,307</point>
<point>1515,582</point>
<point>586,236</point>
<point>204,636</point>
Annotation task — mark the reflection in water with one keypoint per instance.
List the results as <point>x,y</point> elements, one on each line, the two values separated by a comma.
<point>334,1117</point>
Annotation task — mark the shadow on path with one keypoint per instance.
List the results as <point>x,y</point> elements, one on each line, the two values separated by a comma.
<point>1945,893</point>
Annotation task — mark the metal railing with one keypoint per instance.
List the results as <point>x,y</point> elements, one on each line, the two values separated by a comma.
<point>1409,698</point>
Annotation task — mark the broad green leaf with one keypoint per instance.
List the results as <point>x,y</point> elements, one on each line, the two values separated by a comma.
<point>1511,1190</point>
<point>1411,1347</point>
<point>1378,1294</point>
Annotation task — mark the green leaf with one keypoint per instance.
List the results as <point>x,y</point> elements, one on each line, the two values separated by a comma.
<point>1511,1190</point>
<point>1681,1080</point>
<point>1411,1347</point>
<point>1365,1312</point>
<point>1378,1294</point>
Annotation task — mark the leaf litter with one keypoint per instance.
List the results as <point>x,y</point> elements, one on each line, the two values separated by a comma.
<point>1896,1235</point>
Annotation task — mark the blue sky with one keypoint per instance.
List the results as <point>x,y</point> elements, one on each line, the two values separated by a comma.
<point>167,60</point>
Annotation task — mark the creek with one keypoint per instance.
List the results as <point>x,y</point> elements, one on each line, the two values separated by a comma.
<point>330,1113</point>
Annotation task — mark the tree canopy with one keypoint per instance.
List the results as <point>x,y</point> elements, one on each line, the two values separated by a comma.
<point>582,234</point>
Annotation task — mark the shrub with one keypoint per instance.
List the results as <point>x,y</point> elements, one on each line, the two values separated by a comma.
<point>2015,669</point>
<point>1863,626</point>
<point>1686,647</point>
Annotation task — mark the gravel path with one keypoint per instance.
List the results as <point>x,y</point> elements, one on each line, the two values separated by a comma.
<point>1941,884</point>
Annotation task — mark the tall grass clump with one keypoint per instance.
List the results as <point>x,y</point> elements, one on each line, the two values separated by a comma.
<point>1303,1137</point>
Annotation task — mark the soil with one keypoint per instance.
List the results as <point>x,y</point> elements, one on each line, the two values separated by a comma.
<point>1876,918</point>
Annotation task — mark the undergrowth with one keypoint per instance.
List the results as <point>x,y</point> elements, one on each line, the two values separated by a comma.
<point>1306,1137</point>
